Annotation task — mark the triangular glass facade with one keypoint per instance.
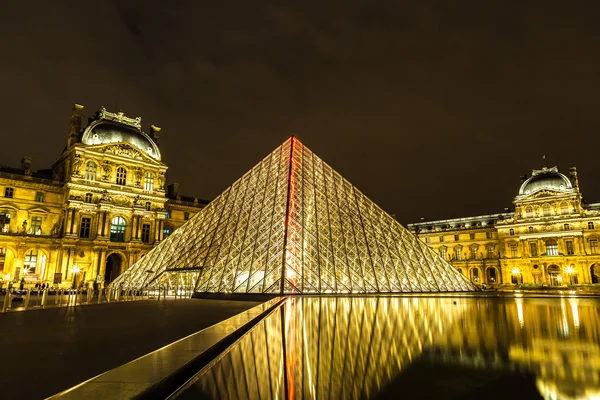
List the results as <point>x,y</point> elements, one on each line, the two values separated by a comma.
<point>294,225</point>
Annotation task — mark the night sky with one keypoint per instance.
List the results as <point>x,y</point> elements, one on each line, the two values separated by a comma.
<point>432,108</point>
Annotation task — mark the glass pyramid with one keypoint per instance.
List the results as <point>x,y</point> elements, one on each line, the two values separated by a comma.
<point>293,225</point>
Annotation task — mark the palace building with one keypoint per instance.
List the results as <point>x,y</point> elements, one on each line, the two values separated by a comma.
<point>101,206</point>
<point>551,239</point>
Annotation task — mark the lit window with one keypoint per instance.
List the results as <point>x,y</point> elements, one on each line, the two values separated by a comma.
<point>84,230</point>
<point>513,250</point>
<point>511,232</point>
<point>4,222</point>
<point>569,245</point>
<point>490,251</point>
<point>30,264</point>
<point>121,176</point>
<point>427,240</point>
<point>488,235</point>
<point>88,197</point>
<point>529,212</point>
<point>36,225</point>
<point>457,254</point>
<point>564,208</point>
<point>473,253</point>
<point>39,197</point>
<point>148,205</point>
<point>590,225</point>
<point>149,182</point>
<point>168,215</point>
<point>90,171</point>
<point>594,246</point>
<point>475,274</point>
<point>547,210</point>
<point>566,226</point>
<point>472,236</point>
<point>551,248</point>
<point>186,216</point>
<point>456,238</point>
<point>531,229</point>
<point>443,253</point>
<point>166,232</point>
<point>533,249</point>
<point>146,233</point>
<point>9,192</point>
<point>117,229</point>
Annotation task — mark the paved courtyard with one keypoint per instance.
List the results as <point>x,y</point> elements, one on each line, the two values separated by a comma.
<point>47,351</point>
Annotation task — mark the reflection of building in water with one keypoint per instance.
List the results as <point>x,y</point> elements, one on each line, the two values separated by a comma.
<point>551,238</point>
<point>355,347</point>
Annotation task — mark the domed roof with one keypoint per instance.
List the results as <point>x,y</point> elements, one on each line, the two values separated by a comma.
<point>546,178</point>
<point>107,129</point>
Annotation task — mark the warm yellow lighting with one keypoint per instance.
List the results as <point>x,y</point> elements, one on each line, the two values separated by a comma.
<point>75,269</point>
<point>516,271</point>
<point>570,270</point>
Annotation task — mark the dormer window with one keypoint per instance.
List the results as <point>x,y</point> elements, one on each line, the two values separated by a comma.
<point>121,176</point>
<point>90,171</point>
<point>88,197</point>
<point>149,182</point>
<point>590,225</point>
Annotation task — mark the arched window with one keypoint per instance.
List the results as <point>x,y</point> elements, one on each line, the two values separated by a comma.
<point>529,212</point>
<point>121,176</point>
<point>547,210</point>
<point>90,171</point>
<point>117,229</point>
<point>88,197</point>
<point>149,181</point>
<point>590,225</point>
<point>475,274</point>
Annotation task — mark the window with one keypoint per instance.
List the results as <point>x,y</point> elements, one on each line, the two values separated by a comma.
<point>472,236</point>
<point>88,197</point>
<point>533,249</point>
<point>594,246</point>
<point>186,216</point>
<point>441,239</point>
<point>148,206</point>
<point>84,230</point>
<point>564,208</point>
<point>513,250</point>
<point>168,215</point>
<point>551,248</point>
<point>531,229</point>
<point>488,235</point>
<point>511,232</point>
<point>121,176</point>
<point>443,253</point>
<point>456,238</point>
<point>475,274</point>
<point>36,225</point>
<point>39,197</point>
<point>30,264</point>
<point>146,233</point>
<point>166,232</point>
<point>473,253</point>
<point>569,246</point>
<point>9,192</point>
<point>117,229</point>
<point>457,254</point>
<point>547,210</point>
<point>529,212</point>
<point>90,171</point>
<point>149,181</point>
<point>590,225</point>
<point>4,222</point>
<point>490,251</point>
<point>2,258</point>
<point>566,226</point>
<point>427,240</point>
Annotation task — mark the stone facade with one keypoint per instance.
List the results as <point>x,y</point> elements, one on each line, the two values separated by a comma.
<point>551,239</point>
<point>101,206</point>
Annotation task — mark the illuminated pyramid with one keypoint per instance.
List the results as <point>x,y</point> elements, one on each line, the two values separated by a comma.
<point>294,225</point>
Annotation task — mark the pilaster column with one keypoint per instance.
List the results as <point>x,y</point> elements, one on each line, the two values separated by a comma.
<point>156,230</point>
<point>106,224</point>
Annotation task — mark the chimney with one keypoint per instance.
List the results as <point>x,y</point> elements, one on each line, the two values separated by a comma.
<point>75,126</point>
<point>574,179</point>
<point>155,133</point>
<point>26,165</point>
<point>172,190</point>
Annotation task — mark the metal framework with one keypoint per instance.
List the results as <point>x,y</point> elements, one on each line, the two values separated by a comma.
<point>294,225</point>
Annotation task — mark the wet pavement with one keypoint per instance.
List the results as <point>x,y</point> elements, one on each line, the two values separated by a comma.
<point>47,351</point>
<point>413,348</point>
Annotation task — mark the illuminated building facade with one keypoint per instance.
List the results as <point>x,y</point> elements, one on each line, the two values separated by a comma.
<point>293,225</point>
<point>101,206</point>
<point>550,239</point>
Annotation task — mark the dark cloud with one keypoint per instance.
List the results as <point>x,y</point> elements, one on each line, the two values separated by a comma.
<point>432,108</point>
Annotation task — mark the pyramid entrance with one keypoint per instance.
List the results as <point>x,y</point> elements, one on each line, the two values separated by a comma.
<point>290,225</point>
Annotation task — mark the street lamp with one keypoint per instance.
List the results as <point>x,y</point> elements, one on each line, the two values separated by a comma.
<point>570,271</point>
<point>75,270</point>
<point>516,273</point>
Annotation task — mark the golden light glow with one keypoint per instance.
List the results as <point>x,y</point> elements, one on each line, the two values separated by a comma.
<point>569,270</point>
<point>516,271</point>
<point>75,269</point>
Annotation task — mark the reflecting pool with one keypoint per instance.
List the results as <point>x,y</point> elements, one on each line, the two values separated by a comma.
<point>413,347</point>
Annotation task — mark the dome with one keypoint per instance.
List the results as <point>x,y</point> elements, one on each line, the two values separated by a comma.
<point>105,132</point>
<point>547,178</point>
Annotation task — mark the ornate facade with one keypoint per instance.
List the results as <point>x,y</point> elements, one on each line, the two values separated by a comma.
<point>551,239</point>
<point>100,207</point>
